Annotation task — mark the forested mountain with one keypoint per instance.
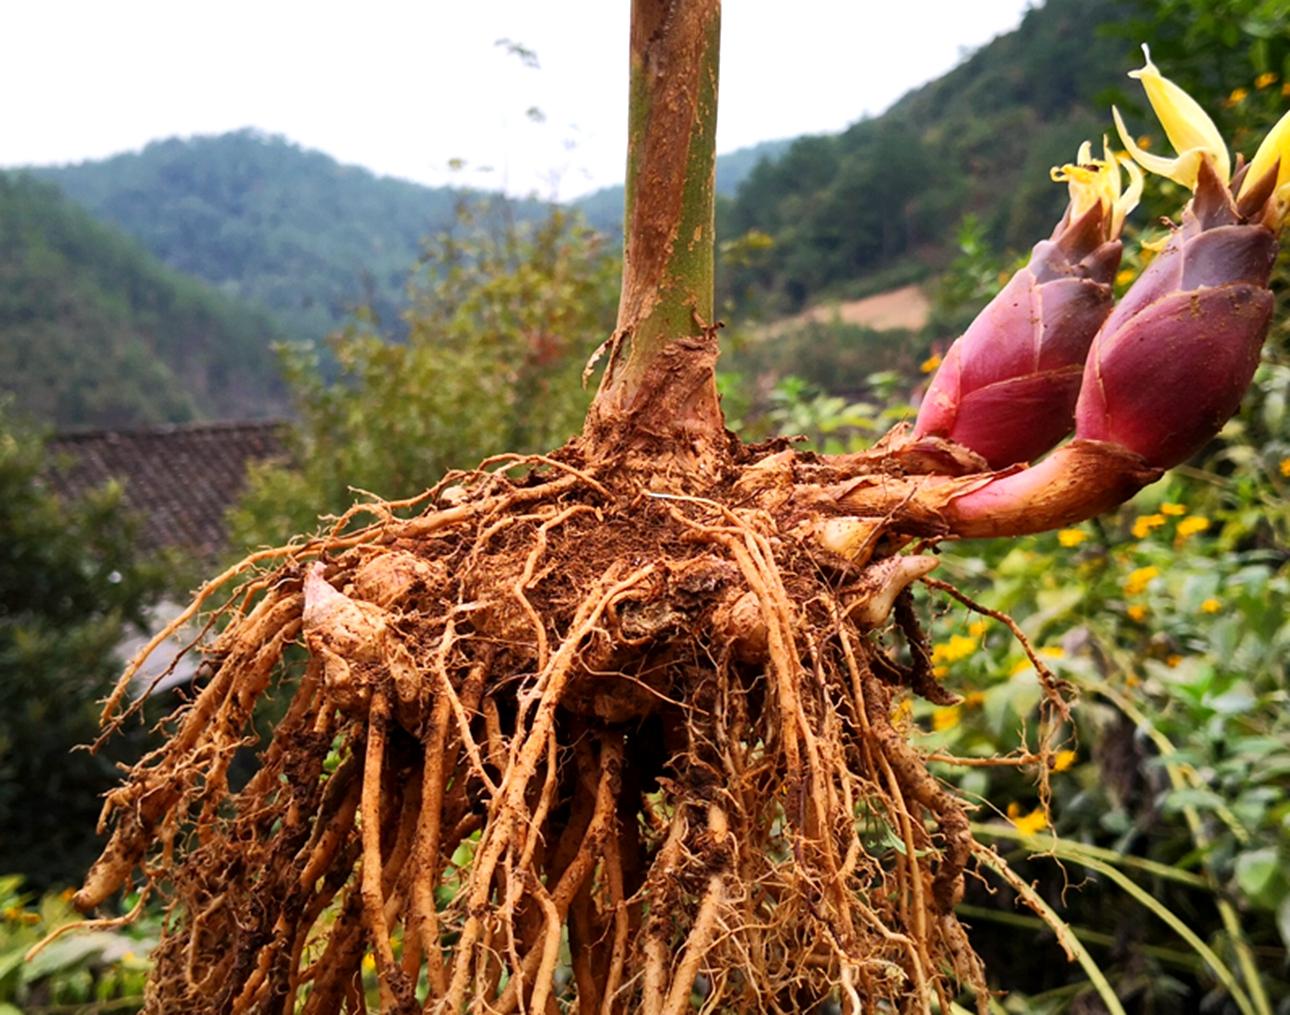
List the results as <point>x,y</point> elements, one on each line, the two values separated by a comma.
<point>294,231</point>
<point>979,139</point>
<point>96,331</point>
<point>290,230</point>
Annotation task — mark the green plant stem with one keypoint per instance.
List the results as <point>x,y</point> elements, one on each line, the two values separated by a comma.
<point>1145,898</point>
<point>1184,960</point>
<point>671,166</point>
<point>660,378</point>
<point>1179,778</point>
<point>1065,849</point>
<point>1065,936</point>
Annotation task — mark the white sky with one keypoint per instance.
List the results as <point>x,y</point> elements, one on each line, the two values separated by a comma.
<point>404,87</point>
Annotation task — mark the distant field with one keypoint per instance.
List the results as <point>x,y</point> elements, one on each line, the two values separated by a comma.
<point>907,307</point>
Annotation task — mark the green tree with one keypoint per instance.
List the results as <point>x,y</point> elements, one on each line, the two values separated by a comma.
<point>71,584</point>
<point>502,319</point>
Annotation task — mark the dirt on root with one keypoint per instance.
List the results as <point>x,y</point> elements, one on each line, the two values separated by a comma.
<point>552,743</point>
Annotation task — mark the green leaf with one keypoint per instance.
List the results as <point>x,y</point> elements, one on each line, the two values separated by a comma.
<point>1256,874</point>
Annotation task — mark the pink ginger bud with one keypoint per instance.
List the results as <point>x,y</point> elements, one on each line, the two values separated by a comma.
<point>1172,362</point>
<point>1008,385</point>
<point>1166,370</point>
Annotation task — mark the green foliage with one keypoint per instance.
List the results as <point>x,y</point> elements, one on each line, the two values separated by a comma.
<point>830,355</point>
<point>101,970</point>
<point>969,282</point>
<point>1172,619</point>
<point>70,583</point>
<point>288,230</point>
<point>95,331</point>
<point>979,139</point>
<point>500,324</point>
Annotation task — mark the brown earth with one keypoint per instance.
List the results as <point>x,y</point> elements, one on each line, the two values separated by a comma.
<point>906,307</point>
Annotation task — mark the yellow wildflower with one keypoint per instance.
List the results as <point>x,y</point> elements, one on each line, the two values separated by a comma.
<point>128,957</point>
<point>940,671</point>
<point>1210,605</point>
<point>1188,127</point>
<point>1285,467</point>
<point>1191,525</point>
<point>1027,824</point>
<point>958,647</point>
<point>1237,96</point>
<point>1063,760</point>
<point>1132,680</point>
<point>1137,613</point>
<point>1019,667</point>
<point>1052,652</point>
<point>369,963</point>
<point>1124,276</point>
<point>946,718</point>
<point>931,363</point>
<point>1173,660</point>
<point>1145,523</point>
<point>1174,510</point>
<point>1071,537</point>
<point>1266,78</point>
<point>1097,181</point>
<point>1139,579</point>
<point>978,628</point>
<point>974,699</point>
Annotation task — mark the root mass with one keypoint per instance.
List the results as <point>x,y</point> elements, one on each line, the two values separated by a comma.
<point>565,742</point>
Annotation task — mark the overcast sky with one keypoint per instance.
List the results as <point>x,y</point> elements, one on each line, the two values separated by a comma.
<point>404,88</point>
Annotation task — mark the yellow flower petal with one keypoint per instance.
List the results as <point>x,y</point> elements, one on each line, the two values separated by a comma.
<point>1169,508</point>
<point>931,363</point>
<point>1071,537</point>
<point>1276,146</point>
<point>946,718</point>
<point>1029,824</point>
<point>1143,525</point>
<point>1139,579</point>
<point>1183,169</point>
<point>1063,760</point>
<point>1210,605</point>
<point>1097,182</point>
<point>1186,124</point>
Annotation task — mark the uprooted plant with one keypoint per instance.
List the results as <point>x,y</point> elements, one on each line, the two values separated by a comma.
<point>625,711</point>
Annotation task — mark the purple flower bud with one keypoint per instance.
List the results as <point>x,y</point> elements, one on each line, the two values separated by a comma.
<point>1008,385</point>
<point>1172,362</point>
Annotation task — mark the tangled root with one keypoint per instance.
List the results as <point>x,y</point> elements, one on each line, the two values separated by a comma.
<point>554,744</point>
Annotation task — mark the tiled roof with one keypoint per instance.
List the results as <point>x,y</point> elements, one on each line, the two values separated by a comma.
<point>179,479</point>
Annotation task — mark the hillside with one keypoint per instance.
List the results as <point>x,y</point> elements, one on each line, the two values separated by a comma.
<point>294,231</point>
<point>95,331</point>
<point>275,225</point>
<point>894,188</point>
